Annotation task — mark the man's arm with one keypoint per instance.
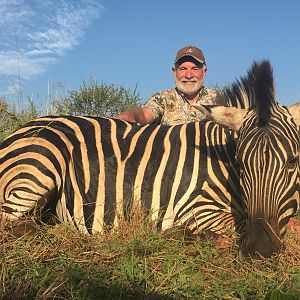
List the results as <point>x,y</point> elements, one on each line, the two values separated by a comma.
<point>142,115</point>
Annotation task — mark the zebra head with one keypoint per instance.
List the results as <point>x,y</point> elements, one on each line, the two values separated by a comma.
<point>268,149</point>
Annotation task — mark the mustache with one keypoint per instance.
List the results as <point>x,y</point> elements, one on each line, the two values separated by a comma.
<point>189,79</point>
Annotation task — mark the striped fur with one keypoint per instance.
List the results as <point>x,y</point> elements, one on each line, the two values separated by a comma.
<point>268,149</point>
<point>95,170</point>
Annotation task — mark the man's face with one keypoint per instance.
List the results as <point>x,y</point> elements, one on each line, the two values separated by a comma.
<point>189,77</point>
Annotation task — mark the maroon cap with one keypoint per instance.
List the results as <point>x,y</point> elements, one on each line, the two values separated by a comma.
<point>192,51</point>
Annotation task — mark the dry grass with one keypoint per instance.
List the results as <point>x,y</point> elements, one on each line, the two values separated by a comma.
<point>136,262</point>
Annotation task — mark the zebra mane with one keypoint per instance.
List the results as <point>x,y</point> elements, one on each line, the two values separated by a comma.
<point>254,91</point>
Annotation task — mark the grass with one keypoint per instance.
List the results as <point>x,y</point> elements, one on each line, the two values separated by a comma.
<point>139,263</point>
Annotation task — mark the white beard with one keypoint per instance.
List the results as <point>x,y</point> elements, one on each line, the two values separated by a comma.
<point>189,89</point>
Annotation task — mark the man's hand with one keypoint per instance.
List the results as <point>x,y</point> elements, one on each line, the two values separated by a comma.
<point>141,115</point>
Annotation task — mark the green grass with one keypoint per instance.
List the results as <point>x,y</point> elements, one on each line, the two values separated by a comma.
<point>139,263</point>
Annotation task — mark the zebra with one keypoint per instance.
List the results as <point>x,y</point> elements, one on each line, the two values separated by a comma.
<point>94,171</point>
<point>268,155</point>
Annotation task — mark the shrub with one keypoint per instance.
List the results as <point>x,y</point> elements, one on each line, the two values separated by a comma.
<point>10,119</point>
<point>97,100</point>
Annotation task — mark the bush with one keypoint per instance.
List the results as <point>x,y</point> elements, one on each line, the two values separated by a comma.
<point>10,119</point>
<point>97,100</point>
<point>93,100</point>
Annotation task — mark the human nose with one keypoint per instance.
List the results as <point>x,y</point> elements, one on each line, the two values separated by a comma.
<point>188,74</point>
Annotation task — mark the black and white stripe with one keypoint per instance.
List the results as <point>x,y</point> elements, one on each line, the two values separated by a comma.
<point>95,170</point>
<point>268,149</point>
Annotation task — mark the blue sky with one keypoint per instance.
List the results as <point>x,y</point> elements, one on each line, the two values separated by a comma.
<point>59,44</point>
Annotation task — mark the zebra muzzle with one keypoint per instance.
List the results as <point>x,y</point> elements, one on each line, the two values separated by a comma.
<point>262,238</point>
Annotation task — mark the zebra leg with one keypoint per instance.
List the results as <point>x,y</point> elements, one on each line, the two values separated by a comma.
<point>21,201</point>
<point>16,209</point>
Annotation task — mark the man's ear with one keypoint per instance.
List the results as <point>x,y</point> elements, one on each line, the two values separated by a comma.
<point>174,70</point>
<point>230,117</point>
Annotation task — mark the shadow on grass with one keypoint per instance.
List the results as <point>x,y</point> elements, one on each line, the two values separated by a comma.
<point>117,292</point>
<point>58,281</point>
<point>277,295</point>
<point>92,293</point>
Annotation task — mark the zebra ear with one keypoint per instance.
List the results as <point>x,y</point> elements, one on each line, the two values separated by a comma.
<point>230,117</point>
<point>295,112</point>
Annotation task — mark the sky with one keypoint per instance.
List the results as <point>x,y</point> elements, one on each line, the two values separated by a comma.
<point>51,47</point>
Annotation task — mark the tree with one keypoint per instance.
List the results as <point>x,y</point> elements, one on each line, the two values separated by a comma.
<point>97,100</point>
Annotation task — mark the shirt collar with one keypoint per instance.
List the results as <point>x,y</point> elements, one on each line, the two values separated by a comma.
<point>201,93</point>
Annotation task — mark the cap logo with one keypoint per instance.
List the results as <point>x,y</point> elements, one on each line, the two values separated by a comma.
<point>190,50</point>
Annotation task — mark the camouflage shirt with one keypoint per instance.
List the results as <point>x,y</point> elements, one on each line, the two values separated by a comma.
<point>171,107</point>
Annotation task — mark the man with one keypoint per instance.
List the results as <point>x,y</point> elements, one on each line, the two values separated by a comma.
<point>181,104</point>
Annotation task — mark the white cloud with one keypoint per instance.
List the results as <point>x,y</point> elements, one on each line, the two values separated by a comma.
<point>38,33</point>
